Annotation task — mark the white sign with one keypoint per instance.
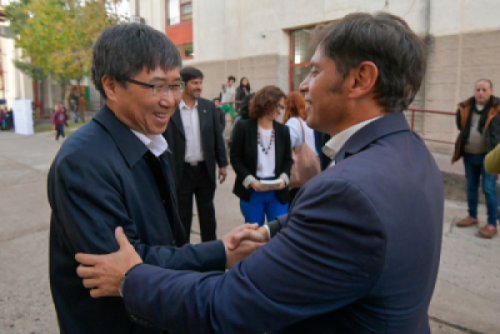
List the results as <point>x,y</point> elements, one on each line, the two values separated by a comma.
<point>23,117</point>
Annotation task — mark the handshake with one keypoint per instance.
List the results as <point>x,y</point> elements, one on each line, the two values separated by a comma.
<point>102,273</point>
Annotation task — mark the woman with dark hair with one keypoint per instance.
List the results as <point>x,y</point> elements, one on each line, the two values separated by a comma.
<point>294,118</point>
<point>261,156</point>
<point>243,90</point>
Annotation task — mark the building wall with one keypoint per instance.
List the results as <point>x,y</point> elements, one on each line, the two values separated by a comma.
<point>17,85</point>
<point>464,47</point>
<point>251,38</point>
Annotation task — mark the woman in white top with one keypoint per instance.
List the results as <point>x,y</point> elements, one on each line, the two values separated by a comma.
<point>295,114</point>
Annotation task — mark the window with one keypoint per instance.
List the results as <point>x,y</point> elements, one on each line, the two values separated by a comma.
<point>300,55</point>
<point>179,11</point>
<point>186,10</point>
<point>187,51</point>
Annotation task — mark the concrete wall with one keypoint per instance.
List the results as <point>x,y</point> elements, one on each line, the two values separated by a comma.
<point>17,85</point>
<point>251,38</point>
<point>153,11</point>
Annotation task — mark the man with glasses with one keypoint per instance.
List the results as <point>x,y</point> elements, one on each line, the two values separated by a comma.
<point>197,146</point>
<point>114,171</point>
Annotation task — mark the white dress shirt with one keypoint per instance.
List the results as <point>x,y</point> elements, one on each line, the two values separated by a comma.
<point>334,145</point>
<point>266,162</point>
<point>156,143</point>
<point>191,123</point>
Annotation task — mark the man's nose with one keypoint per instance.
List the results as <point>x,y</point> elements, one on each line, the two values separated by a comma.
<point>304,85</point>
<point>167,99</point>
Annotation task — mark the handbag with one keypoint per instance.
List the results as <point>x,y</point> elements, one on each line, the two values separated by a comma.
<point>306,163</point>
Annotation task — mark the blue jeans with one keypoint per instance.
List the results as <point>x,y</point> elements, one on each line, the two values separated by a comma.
<point>262,203</point>
<point>474,169</point>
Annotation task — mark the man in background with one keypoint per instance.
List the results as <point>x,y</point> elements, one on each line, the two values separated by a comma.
<point>197,145</point>
<point>479,125</point>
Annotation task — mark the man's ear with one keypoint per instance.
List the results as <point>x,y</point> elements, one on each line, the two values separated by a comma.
<point>109,85</point>
<point>364,78</point>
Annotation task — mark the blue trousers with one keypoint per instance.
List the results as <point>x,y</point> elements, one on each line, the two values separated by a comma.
<point>262,203</point>
<point>59,130</point>
<point>474,170</point>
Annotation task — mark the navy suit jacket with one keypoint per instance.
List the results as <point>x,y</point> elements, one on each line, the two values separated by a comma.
<point>358,253</point>
<point>99,180</point>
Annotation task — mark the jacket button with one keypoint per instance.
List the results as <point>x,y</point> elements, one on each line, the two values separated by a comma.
<point>173,243</point>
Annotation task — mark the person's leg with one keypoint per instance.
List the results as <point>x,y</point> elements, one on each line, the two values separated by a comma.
<point>58,131</point>
<point>490,194</point>
<point>472,174</point>
<point>185,200</point>
<point>274,208</point>
<point>253,211</point>
<point>204,194</point>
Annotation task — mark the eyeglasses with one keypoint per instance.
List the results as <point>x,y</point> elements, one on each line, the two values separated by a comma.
<point>161,89</point>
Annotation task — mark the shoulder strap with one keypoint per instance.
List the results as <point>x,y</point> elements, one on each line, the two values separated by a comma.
<point>303,132</point>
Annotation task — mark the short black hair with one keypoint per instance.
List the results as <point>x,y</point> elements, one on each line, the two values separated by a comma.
<point>385,40</point>
<point>124,50</point>
<point>216,99</point>
<point>231,77</point>
<point>191,73</point>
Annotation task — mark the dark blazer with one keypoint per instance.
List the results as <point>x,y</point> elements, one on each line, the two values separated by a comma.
<point>213,145</point>
<point>358,253</point>
<point>98,181</point>
<point>243,154</point>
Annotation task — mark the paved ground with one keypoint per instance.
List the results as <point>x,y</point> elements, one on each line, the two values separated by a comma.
<point>466,300</point>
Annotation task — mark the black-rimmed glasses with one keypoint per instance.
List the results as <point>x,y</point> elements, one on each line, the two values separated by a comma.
<point>160,89</point>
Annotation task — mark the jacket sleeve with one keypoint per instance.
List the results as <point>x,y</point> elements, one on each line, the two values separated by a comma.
<point>237,151</point>
<point>458,120</point>
<point>238,96</point>
<point>220,146</point>
<point>89,205</point>
<point>295,276</point>
<point>288,161</point>
<point>492,161</point>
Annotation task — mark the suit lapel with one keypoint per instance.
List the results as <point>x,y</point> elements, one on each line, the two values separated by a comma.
<point>177,121</point>
<point>203,118</point>
<point>277,150</point>
<point>253,140</point>
<point>384,126</point>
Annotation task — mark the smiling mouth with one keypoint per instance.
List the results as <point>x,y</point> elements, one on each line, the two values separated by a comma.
<point>161,116</point>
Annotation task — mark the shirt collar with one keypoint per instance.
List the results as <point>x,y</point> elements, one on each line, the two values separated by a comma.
<point>155,143</point>
<point>336,142</point>
<point>182,105</point>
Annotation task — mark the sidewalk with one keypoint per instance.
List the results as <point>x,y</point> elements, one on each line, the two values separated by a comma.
<point>466,299</point>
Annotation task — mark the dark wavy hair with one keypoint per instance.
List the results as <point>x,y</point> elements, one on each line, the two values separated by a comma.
<point>265,101</point>
<point>385,40</point>
<point>248,84</point>
<point>295,106</point>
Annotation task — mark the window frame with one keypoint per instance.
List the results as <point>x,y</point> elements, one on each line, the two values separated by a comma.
<point>181,3</point>
<point>292,63</point>
<point>181,50</point>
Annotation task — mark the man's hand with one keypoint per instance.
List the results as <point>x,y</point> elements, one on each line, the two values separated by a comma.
<point>240,244</point>
<point>102,273</point>
<point>258,235</point>
<point>222,174</point>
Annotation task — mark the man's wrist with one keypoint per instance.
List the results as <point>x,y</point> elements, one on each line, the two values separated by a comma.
<point>121,285</point>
